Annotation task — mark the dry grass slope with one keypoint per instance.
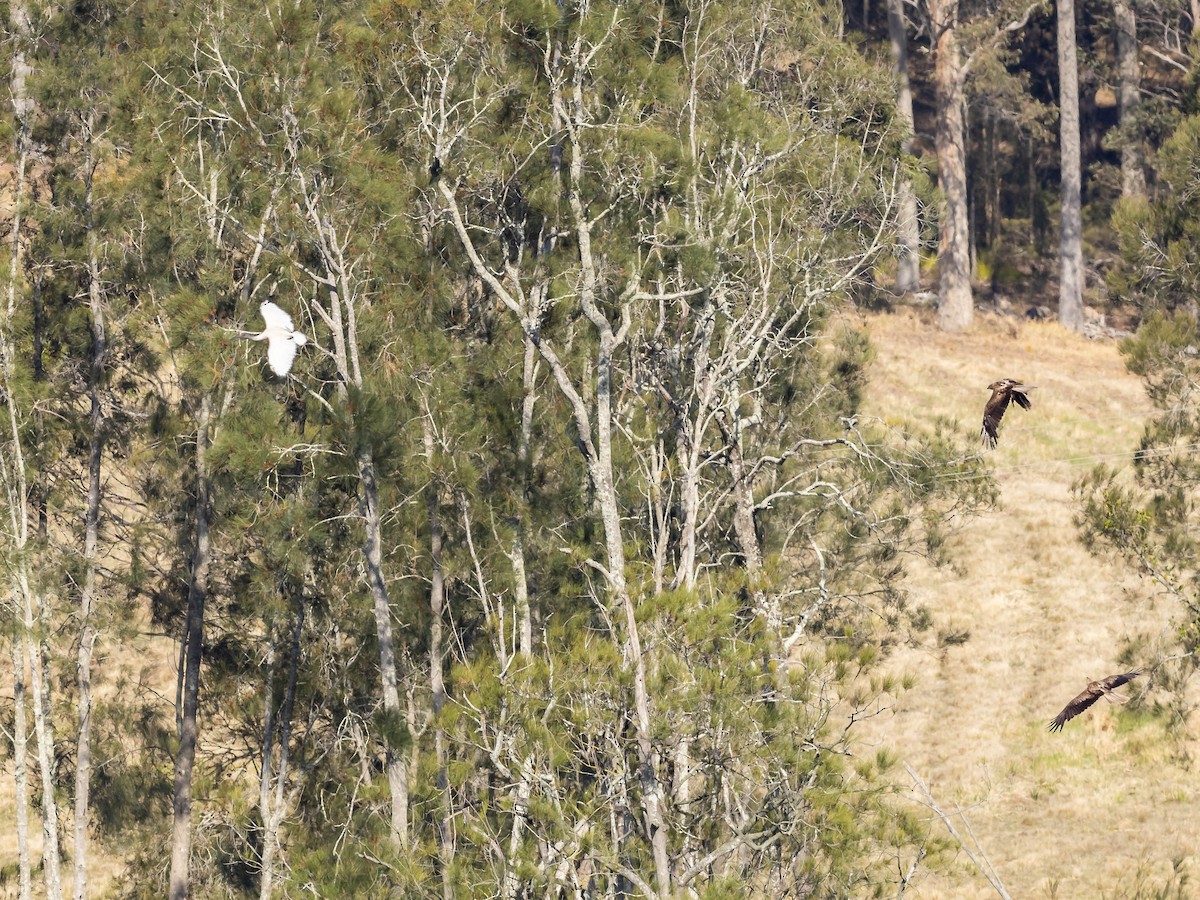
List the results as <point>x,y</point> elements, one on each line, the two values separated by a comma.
<point>1073,815</point>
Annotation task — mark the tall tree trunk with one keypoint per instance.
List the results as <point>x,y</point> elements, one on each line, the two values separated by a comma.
<point>32,605</point>
<point>22,105</point>
<point>397,775</point>
<point>743,521</point>
<point>606,495</point>
<point>908,263</point>
<point>1133,174</point>
<point>437,685</point>
<point>1070,288</point>
<point>993,184</point>
<point>271,810</point>
<point>43,727</point>
<point>955,304</point>
<point>20,768</point>
<point>524,462</point>
<point>87,600</point>
<point>193,633</point>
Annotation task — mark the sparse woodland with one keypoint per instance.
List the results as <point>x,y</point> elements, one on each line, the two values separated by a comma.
<point>563,563</point>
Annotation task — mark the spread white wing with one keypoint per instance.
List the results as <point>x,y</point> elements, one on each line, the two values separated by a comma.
<point>280,353</point>
<point>276,318</point>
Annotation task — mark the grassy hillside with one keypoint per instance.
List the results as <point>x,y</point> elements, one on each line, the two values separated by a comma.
<point>1023,620</point>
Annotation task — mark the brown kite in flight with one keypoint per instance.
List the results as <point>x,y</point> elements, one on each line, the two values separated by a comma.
<point>1002,391</point>
<point>1094,691</point>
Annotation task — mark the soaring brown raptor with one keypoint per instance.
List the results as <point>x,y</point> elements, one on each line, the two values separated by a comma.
<point>1094,691</point>
<point>1002,391</point>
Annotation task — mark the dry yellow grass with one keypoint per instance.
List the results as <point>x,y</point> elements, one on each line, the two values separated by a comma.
<point>1070,815</point>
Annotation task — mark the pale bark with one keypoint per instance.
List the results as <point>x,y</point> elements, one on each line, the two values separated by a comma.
<point>743,521</point>
<point>31,605</point>
<point>524,462</point>
<point>908,261</point>
<point>181,832</point>
<point>13,463</point>
<point>955,304</point>
<point>437,684</point>
<point>43,729</point>
<point>1070,289</point>
<point>1133,175</point>
<point>87,600</point>
<point>266,860</point>
<point>603,482</point>
<point>511,884</point>
<point>397,775</point>
<point>20,769</point>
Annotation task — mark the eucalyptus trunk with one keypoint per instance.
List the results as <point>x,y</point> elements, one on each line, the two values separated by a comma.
<point>955,303</point>
<point>1070,287</point>
<point>373,556</point>
<point>1129,96</point>
<point>908,262</point>
<point>14,467</point>
<point>524,464</point>
<point>21,769</point>
<point>437,684</point>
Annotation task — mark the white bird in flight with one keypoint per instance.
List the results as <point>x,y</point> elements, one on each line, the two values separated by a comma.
<point>281,336</point>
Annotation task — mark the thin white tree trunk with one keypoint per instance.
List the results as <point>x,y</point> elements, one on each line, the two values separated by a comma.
<point>13,463</point>
<point>20,769</point>
<point>264,780</point>
<point>601,466</point>
<point>43,730</point>
<point>437,685</point>
<point>30,603</point>
<point>1070,288</point>
<point>397,775</point>
<point>524,461</point>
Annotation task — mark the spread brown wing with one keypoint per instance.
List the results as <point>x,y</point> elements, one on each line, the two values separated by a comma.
<point>992,414</point>
<point>1115,681</point>
<point>1074,708</point>
<point>1018,394</point>
<point>1090,696</point>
